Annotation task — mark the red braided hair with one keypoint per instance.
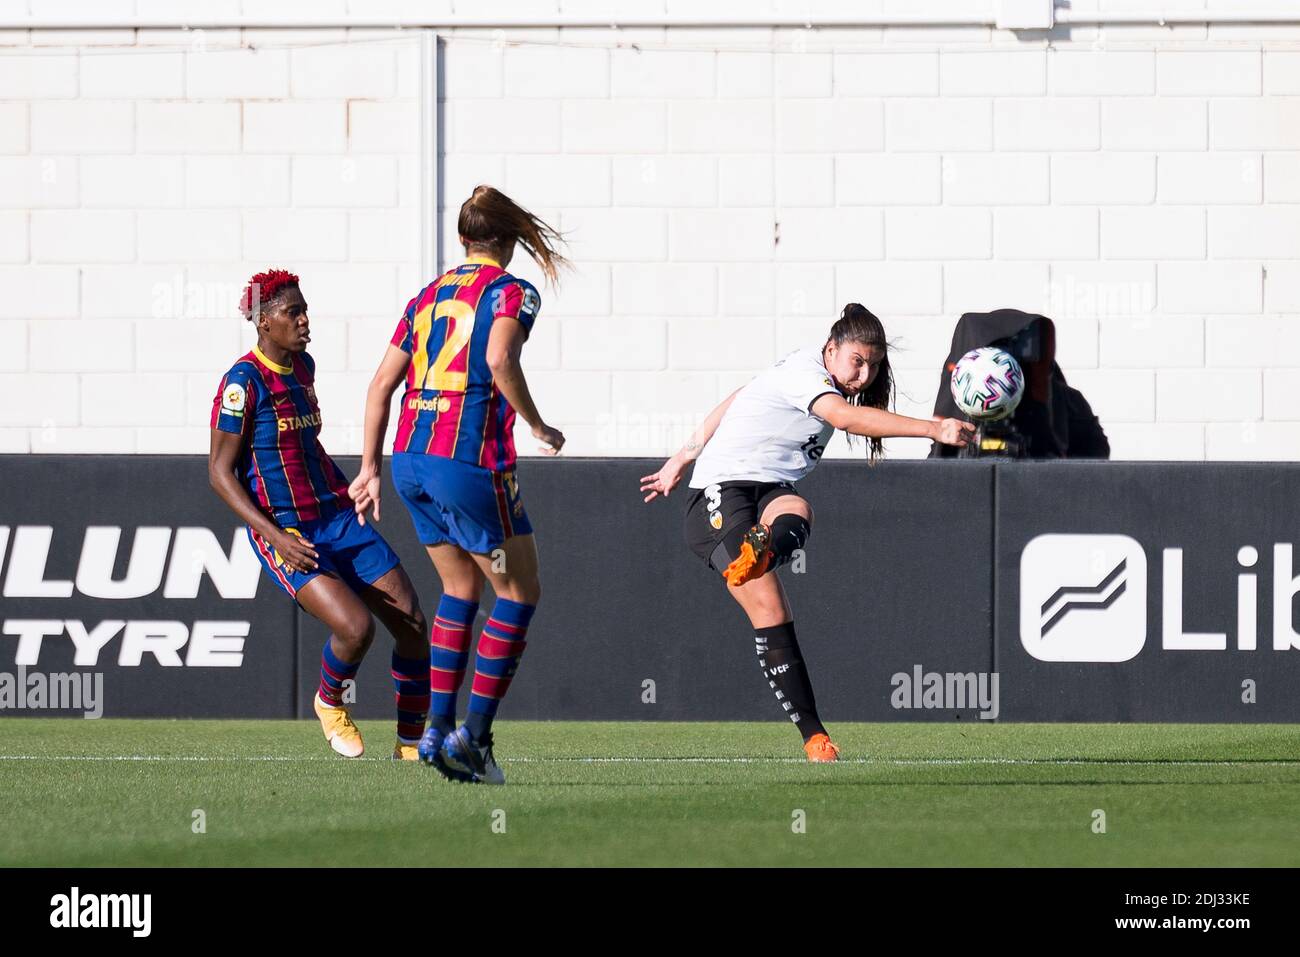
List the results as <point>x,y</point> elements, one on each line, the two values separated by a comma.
<point>262,288</point>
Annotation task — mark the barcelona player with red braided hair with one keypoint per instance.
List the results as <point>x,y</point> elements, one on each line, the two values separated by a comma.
<point>457,347</point>
<point>266,462</point>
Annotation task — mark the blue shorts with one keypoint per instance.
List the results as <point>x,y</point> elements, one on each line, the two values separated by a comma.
<point>354,552</point>
<point>453,501</point>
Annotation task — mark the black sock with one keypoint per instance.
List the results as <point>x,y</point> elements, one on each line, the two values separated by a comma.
<point>778,656</point>
<point>789,534</point>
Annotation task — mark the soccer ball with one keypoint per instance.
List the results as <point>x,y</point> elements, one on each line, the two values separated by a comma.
<point>987,384</point>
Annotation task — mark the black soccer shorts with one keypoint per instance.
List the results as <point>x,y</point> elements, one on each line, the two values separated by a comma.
<point>717,517</point>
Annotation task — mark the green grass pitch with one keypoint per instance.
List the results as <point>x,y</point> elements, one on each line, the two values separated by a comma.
<point>124,793</point>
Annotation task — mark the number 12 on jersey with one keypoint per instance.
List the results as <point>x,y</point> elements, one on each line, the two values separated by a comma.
<point>452,321</point>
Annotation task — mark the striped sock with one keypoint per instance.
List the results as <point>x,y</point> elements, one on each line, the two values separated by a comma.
<point>411,682</point>
<point>448,658</point>
<point>499,649</point>
<point>333,673</point>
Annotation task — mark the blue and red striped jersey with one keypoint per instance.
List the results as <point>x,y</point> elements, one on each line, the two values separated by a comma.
<point>281,461</point>
<point>452,406</point>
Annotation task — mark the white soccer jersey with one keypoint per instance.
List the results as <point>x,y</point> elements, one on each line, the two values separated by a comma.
<point>768,433</point>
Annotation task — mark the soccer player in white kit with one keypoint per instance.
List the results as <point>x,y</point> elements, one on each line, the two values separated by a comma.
<point>745,518</point>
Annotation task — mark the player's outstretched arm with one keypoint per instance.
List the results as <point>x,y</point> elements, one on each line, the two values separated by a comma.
<point>668,477</point>
<point>223,453</point>
<point>379,399</point>
<point>505,346</point>
<point>880,424</point>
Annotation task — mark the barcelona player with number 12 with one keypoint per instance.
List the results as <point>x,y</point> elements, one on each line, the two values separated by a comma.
<point>457,347</point>
<point>266,462</point>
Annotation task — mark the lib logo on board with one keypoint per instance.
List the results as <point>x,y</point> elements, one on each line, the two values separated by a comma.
<point>1083,598</point>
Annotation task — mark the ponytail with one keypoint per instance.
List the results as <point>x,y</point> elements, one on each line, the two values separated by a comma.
<point>491,218</point>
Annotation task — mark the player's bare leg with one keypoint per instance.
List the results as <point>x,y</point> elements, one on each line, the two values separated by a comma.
<point>457,570</point>
<point>352,629</point>
<point>391,598</point>
<point>513,573</point>
<point>763,600</point>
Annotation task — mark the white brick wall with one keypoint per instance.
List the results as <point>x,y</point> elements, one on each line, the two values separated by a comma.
<point>1099,179</point>
<point>82,236</point>
<point>648,179</point>
<point>293,127</point>
<point>749,180</point>
<point>1154,232</point>
<point>983,286</point>
<point>985,73</point>
<point>132,181</point>
<point>344,181</point>
<point>82,126</point>
<point>941,125</point>
<point>1263,123</point>
<point>238,74</point>
<point>1253,441</point>
<point>14,128</point>
<point>995,179</point>
<point>1095,73</point>
<point>236,181</point>
<point>188,236</point>
<point>887,179</point>
<point>956,233</point>
<point>129,75</point>
<point>1047,233</point>
<point>1282,287</point>
<point>1046,124</point>
<point>13,345</point>
<point>1198,179</point>
<point>601,126</point>
<point>1140,185</point>
<point>188,127</point>
<point>1210,287</point>
<point>39,77</point>
<point>887,73</point>
<point>1242,232</point>
<point>13,236</point>
<point>1167,123</point>
<point>1209,395</point>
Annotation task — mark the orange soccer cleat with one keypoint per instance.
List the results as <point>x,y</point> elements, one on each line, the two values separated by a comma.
<point>821,749</point>
<point>405,752</point>
<point>755,556</point>
<point>340,730</point>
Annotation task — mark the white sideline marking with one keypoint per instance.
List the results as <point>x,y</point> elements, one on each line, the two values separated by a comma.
<point>892,762</point>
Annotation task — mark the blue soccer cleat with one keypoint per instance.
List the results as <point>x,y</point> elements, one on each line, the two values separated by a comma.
<point>429,753</point>
<point>460,755</point>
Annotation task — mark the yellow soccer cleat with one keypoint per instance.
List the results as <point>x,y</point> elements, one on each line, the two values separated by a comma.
<point>821,749</point>
<point>406,752</point>
<point>340,731</point>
